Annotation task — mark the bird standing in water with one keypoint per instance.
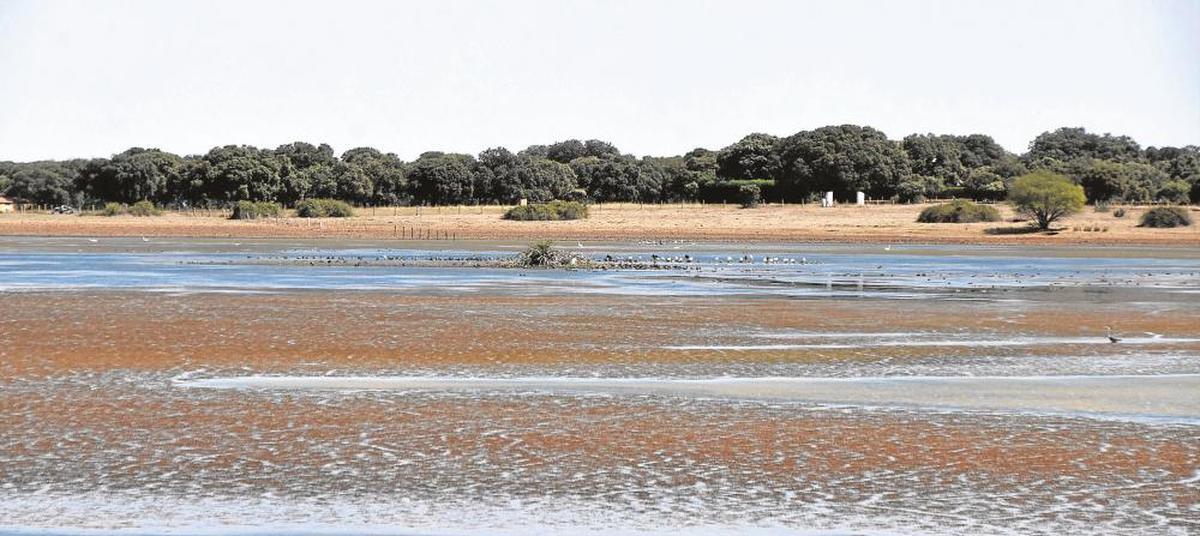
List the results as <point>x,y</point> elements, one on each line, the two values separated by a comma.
<point>1108,333</point>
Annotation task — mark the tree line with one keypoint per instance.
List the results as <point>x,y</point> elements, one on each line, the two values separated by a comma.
<point>843,159</point>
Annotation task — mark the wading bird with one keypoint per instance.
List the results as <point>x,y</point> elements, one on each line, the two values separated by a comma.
<point>1108,333</point>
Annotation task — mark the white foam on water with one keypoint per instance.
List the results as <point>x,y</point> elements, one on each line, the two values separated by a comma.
<point>125,514</point>
<point>882,342</point>
<point>841,334</point>
<point>1141,398</point>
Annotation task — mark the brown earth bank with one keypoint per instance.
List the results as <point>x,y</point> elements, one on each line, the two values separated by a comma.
<point>768,223</point>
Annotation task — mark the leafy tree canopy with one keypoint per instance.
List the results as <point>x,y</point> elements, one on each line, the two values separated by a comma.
<point>752,157</point>
<point>444,179</point>
<point>1066,144</point>
<point>843,159</point>
<point>1046,197</point>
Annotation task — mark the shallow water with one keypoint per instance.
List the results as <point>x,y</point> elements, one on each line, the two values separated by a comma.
<point>798,271</point>
<point>1135,398</point>
<point>179,386</point>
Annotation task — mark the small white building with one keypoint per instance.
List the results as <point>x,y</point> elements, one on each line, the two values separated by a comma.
<point>6,205</point>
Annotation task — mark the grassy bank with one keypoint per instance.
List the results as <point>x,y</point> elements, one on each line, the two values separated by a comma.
<point>789,223</point>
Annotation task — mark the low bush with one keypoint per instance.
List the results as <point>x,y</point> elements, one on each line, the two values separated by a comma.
<point>578,194</point>
<point>749,195</point>
<point>731,191</point>
<point>1102,206</point>
<point>539,254</point>
<point>552,211</point>
<point>1166,217</point>
<point>144,208</point>
<point>1119,213</point>
<point>918,188</point>
<point>324,208</point>
<point>958,211</point>
<point>253,210</point>
<point>114,209</point>
<point>1175,192</point>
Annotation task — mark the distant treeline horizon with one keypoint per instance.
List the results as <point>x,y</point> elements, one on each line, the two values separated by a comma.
<point>842,158</point>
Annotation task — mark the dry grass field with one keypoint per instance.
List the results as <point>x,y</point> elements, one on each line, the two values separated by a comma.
<point>788,223</point>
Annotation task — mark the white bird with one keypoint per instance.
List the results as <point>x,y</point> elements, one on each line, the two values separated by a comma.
<point>93,240</point>
<point>144,239</point>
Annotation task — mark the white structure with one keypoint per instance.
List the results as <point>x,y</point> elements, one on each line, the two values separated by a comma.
<point>860,199</point>
<point>828,201</point>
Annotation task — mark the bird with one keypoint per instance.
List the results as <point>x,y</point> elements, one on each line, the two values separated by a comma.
<point>93,240</point>
<point>1108,333</point>
<point>144,239</point>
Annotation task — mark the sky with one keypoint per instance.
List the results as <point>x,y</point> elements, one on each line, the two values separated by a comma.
<point>658,77</point>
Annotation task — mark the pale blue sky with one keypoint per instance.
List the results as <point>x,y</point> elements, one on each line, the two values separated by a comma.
<point>91,78</point>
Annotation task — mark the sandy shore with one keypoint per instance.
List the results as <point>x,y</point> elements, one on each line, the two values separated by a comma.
<point>790,223</point>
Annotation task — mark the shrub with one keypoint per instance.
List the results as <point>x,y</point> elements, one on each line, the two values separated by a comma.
<point>1119,213</point>
<point>579,194</point>
<point>1166,217</point>
<point>539,254</point>
<point>917,188</point>
<point>983,183</point>
<point>1102,206</point>
<point>251,210</point>
<point>115,209</point>
<point>144,208</point>
<point>749,195</point>
<point>543,254</point>
<point>730,191</point>
<point>324,208</point>
<point>1174,192</point>
<point>958,211</point>
<point>1046,197</point>
<point>552,211</point>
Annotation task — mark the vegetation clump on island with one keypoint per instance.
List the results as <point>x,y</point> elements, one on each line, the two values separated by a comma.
<point>1166,217</point>
<point>959,211</point>
<point>552,211</point>
<point>543,254</point>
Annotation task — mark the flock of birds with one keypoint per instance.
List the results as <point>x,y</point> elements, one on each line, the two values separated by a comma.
<point>749,259</point>
<point>688,259</point>
<point>655,258</point>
